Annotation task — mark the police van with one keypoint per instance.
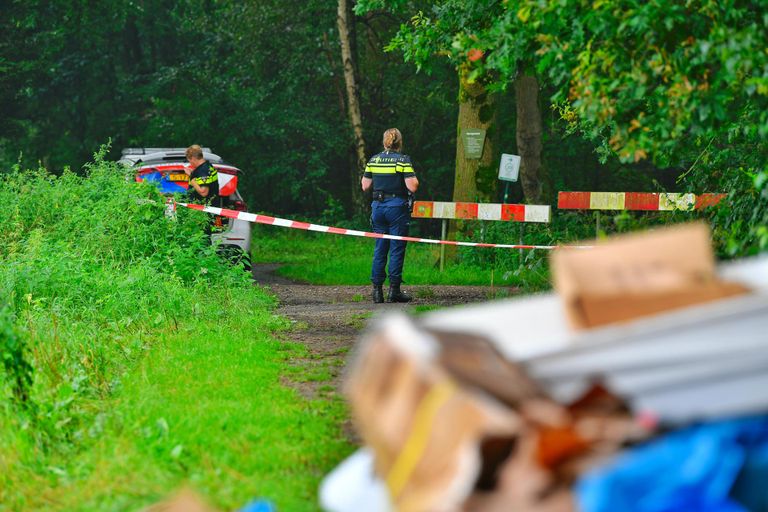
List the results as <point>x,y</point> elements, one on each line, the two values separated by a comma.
<point>165,168</point>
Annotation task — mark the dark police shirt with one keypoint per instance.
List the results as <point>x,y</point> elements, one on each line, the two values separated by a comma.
<point>206,176</point>
<point>388,171</point>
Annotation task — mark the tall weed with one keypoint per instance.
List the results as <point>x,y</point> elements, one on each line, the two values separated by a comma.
<point>92,273</point>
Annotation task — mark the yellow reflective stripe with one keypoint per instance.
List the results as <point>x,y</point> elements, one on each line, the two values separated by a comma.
<point>404,168</point>
<point>383,170</point>
<point>418,438</point>
<point>214,176</point>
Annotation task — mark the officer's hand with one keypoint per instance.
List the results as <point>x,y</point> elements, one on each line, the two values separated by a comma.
<point>188,170</point>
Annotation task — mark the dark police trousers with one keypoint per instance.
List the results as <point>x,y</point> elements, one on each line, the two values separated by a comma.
<point>390,216</point>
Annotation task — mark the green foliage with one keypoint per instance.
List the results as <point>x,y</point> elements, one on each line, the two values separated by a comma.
<point>655,75</point>
<point>737,168</point>
<point>98,255</point>
<point>143,360</point>
<point>656,89</point>
<point>203,408</point>
<point>260,83</point>
<point>648,75</point>
<point>682,84</point>
<point>328,259</point>
<point>467,32</point>
<point>18,371</point>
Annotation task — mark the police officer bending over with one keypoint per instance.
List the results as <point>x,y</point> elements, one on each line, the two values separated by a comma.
<point>391,175</point>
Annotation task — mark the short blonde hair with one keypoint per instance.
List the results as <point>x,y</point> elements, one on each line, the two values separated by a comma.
<point>393,139</point>
<point>194,151</point>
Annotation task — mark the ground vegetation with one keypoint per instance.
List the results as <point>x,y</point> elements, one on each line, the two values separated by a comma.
<point>136,361</point>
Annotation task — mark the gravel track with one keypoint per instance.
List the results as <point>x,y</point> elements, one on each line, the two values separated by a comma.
<point>329,319</point>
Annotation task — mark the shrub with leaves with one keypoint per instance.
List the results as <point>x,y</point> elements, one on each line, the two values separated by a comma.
<point>18,371</point>
<point>92,272</point>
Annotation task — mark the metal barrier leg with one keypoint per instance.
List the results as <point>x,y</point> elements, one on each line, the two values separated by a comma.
<point>442,246</point>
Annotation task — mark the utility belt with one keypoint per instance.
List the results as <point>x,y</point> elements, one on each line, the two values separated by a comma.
<point>378,195</point>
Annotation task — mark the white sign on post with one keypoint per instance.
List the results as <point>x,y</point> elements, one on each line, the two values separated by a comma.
<point>509,167</point>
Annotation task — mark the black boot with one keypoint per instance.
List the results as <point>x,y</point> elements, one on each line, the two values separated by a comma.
<point>395,295</point>
<point>378,294</point>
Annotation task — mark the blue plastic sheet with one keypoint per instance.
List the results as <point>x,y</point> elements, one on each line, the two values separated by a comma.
<point>713,467</point>
<point>259,505</point>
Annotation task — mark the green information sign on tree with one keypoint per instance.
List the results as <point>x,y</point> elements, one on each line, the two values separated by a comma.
<point>474,141</point>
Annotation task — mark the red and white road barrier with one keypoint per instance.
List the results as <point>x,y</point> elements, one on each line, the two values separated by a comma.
<point>287,223</point>
<point>635,201</point>
<point>481,211</point>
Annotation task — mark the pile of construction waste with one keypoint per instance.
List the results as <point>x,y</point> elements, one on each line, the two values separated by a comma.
<point>641,384</point>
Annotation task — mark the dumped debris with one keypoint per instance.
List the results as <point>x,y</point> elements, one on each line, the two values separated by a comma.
<point>648,354</point>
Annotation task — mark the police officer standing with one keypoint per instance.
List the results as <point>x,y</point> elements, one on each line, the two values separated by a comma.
<point>203,177</point>
<point>391,176</point>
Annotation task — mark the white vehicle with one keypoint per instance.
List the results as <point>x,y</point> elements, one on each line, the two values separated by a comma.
<point>165,168</point>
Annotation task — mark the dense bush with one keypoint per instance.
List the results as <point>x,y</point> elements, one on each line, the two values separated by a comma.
<point>92,271</point>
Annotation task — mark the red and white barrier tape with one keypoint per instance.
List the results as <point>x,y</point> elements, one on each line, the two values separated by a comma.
<point>287,223</point>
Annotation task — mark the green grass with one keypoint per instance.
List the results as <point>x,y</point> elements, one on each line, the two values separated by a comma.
<point>204,408</point>
<point>333,259</point>
<point>134,361</point>
<point>423,308</point>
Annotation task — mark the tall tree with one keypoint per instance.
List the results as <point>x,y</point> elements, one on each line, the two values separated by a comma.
<point>649,76</point>
<point>345,21</point>
<point>528,134</point>
<point>422,105</point>
<point>477,109</point>
<point>458,30</point>
<point>683,84</point>
<point>242,77</point>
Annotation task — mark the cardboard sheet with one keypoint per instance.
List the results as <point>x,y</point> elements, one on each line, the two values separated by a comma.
<point>638,275</point>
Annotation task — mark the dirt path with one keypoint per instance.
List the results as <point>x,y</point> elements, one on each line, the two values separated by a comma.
<point>328,320</point>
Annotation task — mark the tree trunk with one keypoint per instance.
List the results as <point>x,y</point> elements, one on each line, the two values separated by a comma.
<point>336,82</point>
<point>532,175</point>
<point>475,180</point>
<point>345,20</point>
